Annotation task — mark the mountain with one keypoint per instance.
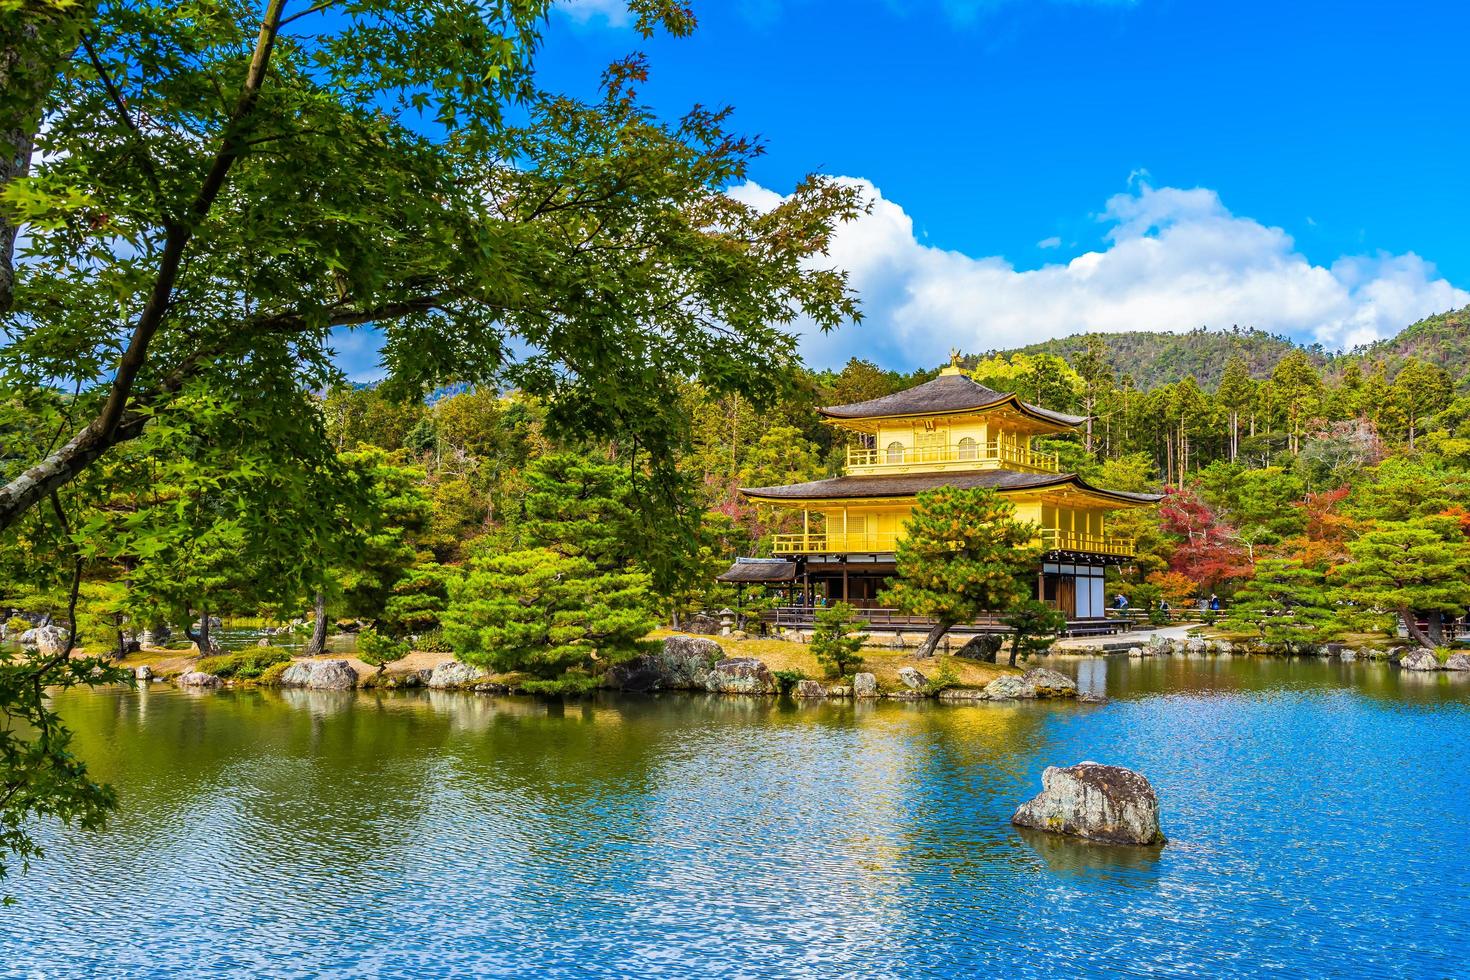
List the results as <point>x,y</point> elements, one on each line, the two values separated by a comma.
<point>1161,358</point>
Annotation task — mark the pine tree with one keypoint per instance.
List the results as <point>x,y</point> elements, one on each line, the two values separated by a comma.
<point>1286,604</point>
<point>1410,567</point>
<point>836,639</point>
<point>1298,390</point>
<point>962,554</point>
<point>554,616</point>
<point>1034,627</point>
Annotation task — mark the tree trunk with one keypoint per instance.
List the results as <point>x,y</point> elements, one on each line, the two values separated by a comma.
<point>1411,623</point>
<point>1015,647</point>
<point>318,644</point>
<point>1435,619</point>
<point>931,642</point>
<point>199,634</point>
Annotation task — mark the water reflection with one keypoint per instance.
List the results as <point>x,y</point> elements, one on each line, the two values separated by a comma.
<point>435,833</point>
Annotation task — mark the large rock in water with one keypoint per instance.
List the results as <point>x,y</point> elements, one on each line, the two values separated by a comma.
<point>320,675</point>
<point>1046,683</point>
<point>1458,661</point>
<point>681,664</point>
<point>196,678</point>
<point>864,685</point>
<point>740,675</point>
<point>808,688</point>
<point>1008,688</point>
<point>1102,803</point>
<point>1419,660</point>
<point>452,673</point>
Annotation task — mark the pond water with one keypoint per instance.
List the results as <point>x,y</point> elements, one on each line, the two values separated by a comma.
<point>1317,817</point>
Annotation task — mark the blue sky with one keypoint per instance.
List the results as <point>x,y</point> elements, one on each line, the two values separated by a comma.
<point>1041,167</point>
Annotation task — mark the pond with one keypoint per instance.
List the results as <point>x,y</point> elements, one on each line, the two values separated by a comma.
<point>1316,813</point>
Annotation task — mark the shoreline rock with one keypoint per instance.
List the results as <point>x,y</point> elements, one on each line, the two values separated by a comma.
<point>320,675</point>
<point>740,675</point>
<point>682,663</point>
<point>453,674</point>
<point>1421,659</point>
<point>1108,804</point>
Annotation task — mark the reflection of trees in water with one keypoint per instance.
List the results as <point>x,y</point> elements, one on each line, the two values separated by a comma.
<point>1069,857</point>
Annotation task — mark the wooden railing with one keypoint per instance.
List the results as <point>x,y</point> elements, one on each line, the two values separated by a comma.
<point>1052,539</point>
<point>1009,453</point>
<point>879,618</point>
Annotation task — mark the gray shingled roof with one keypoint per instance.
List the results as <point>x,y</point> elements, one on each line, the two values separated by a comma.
<point>759,571</point>
<point>908,484</point>
<point>946,393</point>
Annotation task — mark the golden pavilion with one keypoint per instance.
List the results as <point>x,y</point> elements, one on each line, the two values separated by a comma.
<point>951,431</point>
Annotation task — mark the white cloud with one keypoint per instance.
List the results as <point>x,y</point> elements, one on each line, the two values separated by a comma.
<point>613,13</point>
<point>1052,242</point>
<point>1175,259</point>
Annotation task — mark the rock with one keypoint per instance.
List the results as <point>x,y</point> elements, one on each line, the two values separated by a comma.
<point>1102,803</point>
<point>320,675</point>
<point>906,695</point>
<point>1420,659</point>
<point>911,678</point>
<point>1348,656</point>
<point>1087,698</point>
<point>1008,688</point>
<point>262,642</point>
<point>964,694</point>
<point>48,640</point>
<point>739,635</point>
<point>864,686</point>
<point>452,674</point>
<point>839,691</point>
<point>808,688</point>
<point>740,675</point>
<point>701,623</point>
<point>1194,645</point>
<point>1224,647</point>
<point>195,678</point>
<point>1135,653</point>
<point>143,672</point>
<point>982,647</point>
<point>681,664</point>
<point>1458,661</point>
<point>492,687</point>
<point>1046,683</point>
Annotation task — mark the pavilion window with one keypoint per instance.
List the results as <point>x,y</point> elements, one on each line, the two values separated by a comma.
<point>895,452</point>
<point>968,448</point>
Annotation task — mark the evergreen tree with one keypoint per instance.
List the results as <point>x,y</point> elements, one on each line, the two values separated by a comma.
<point>962,554</point>
<point>1420,390</point>
<point>1410,567</point>
<point>1234,397</point>
<point>577,506</point>
<point>1286,604</point>
<point>1297,388</point>
<point>1034,628</point>
<point>557,617</point>
<point>837,638</point>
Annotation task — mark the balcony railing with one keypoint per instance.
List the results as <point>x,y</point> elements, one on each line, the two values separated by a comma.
<point>1053,539</point>
<point>829,543</point>
<point>995,451</point>
<point>834,543</point>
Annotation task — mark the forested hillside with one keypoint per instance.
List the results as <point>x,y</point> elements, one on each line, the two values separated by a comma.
<point>1157,358</point>
<point>1152,358</point>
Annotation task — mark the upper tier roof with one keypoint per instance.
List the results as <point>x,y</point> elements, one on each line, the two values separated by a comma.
<point>945,394</point>
<point>906,485</point>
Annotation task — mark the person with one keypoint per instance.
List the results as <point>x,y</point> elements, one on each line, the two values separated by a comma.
<point>1214,602</point>
<point>1163,605</point>
<point>1120,602</point>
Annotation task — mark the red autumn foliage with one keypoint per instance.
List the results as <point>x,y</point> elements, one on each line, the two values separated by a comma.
<point>1323,543</point>
<point>1208,550</point>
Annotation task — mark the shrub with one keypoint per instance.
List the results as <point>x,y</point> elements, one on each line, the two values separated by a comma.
<point>433,642</point>
<point>944,677</point>
<point>570,684</point>
<point>272,674</point>
<point>17,624</point>
<point>836,640</point>
<point>379,649</point>
<point>244,664</point>
<point>786,680</point>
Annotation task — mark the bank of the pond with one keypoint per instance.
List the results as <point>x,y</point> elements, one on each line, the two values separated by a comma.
<point>282,833</point>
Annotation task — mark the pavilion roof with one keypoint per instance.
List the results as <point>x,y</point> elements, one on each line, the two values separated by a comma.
<point>946,394</point>
<point>909,484</point>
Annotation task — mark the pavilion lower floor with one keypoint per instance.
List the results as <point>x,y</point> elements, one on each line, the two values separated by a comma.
<point>1069,583</point>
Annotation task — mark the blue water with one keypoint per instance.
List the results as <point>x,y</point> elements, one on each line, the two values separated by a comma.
<point>1316,813</point>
